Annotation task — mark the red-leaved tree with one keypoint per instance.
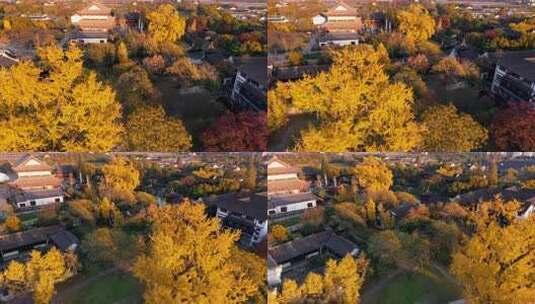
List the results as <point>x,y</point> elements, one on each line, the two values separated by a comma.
<point>244,131</point>
<point>513,129</point>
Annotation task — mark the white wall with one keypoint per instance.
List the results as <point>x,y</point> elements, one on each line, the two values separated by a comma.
<point>274,275</point>
<point>318,20</point>
<point>282,176</point>
<point>340,42</point>
<point>41,202</point>
<point>294,207</point>
<point>34,173</point>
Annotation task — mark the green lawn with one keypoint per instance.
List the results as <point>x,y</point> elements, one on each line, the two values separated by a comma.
<point>115,288</point>
<point>414,288</point>
<point>30,216</point>
<point>289,222</point>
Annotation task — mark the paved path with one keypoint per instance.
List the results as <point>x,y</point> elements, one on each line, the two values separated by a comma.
<point>445,273</point>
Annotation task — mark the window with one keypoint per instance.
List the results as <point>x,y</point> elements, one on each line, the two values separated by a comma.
<point>22,205</point>
<point>57,200</point>
<point>271,212</point>
<point>224,210</point>
<point>32,203</point>
<point>310,205</point>
<point>284,209</point>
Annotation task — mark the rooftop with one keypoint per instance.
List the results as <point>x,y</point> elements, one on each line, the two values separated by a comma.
<point>311,243</point>
<point>16,240</point>
<point>95,9</point>
<point>253,205</point>
<point>521,63</point>
<point>255,68</point>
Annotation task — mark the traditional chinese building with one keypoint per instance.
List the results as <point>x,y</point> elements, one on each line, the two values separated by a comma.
<point>339,18</point>
<point>94,23</point>
<point>287,193</point>
<point>243,211</point>
<point>32,184</point>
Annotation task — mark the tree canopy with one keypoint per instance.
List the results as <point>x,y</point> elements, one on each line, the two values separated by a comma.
<point>358,107</point>
<point>150,129</point>
<point>166,24</point>
<point>55,105</point>
<point>496,264</point>
<point>448,130</point>
<point>189,259</point>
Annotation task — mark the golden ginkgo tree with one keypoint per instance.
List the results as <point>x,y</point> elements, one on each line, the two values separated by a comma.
<point>56,105</point>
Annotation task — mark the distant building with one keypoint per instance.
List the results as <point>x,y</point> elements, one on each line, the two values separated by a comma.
<point>278,19</point>
<point>32,184</point>
<point>249,86</point>
<point>526,197</point>
<point>341,17</point>
<point>246,212</point>
<point>94,23</point>
<point>287,194</point>
<point>514,76</point>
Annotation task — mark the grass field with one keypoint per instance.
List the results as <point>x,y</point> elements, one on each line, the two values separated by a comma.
<point>414,288</point>
<point>115,288</point>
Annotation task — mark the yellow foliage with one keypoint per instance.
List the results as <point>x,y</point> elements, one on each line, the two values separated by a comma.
<point>496,264</point>
<point>279,233</point>
<point>149,129</point>
<point>373,174</point>
<point>359,108</point>
<point>189,259</point>
<point>416,23</point>
<point>120,176</point>
<point>278,100</point>
<point>340,283</point>
<point>66,110</point>
<point>13,223</point>
<point>447,130</point>
<point>39,274</point>
<point>166,24</point>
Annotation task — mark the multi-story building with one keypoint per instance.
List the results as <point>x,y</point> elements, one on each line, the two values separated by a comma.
<point>94,23</point>
<point>243,211</point>
<point>32,184</point>
<point>287,193</point>
<point>514,76</point>
<point>249,86</point>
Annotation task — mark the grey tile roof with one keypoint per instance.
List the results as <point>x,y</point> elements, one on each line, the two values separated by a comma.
<point>254,205</point>
<point>311,243</point>
<point>521,63</point>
